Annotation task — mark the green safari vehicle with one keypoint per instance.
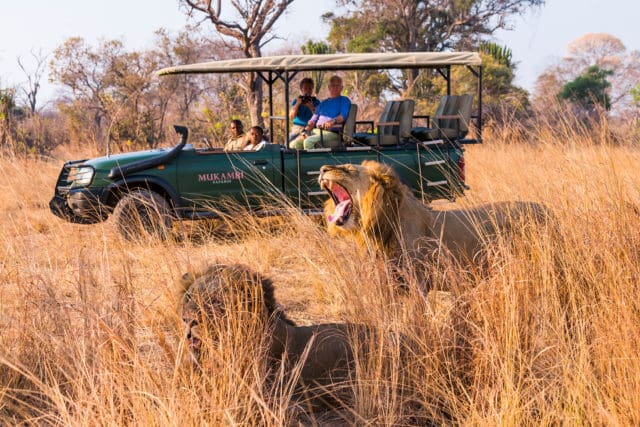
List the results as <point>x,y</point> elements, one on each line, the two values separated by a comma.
<point>146,191</point>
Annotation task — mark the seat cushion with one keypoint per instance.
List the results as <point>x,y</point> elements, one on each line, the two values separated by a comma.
<point>372,139</point>
<point>362,137</point>
<point>425,133</point>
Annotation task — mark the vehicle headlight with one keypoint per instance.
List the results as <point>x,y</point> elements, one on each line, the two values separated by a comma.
<point>81,176</point>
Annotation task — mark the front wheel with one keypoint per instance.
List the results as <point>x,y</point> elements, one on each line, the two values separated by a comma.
<point>143,215</point>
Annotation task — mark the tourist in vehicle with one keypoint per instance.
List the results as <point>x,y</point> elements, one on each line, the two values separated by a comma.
<point>238,138</point>
<point>302,108</point>
<point>329,116</point>
<point>256,139</point>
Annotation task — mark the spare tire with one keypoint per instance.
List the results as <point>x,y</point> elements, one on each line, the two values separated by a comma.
<point>143,215</point>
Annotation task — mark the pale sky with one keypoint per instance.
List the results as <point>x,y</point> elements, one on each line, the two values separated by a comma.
<point>44,24</point>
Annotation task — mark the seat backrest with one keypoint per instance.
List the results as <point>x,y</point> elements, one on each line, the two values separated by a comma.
<point>449,108</point>
<point>405,117</point>
<point>445,102</point>
<point>384,115</point>
<point>464,106</point>
<point>392,116</point>
<point>401,112</point>
<point>459,106</point>
<point>349,126</point>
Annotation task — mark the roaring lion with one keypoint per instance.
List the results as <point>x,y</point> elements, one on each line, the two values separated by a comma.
<point>222,291</point>
<point>369,202</point>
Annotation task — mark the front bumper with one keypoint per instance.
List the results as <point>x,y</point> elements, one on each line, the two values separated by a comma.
<point>81,206</point>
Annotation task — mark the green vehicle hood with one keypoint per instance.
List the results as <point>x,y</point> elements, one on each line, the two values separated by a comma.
<point>108,162</point>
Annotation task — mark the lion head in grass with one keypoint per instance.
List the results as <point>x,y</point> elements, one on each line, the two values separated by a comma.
<point>222,294</point>
<point>370,203</point>
<point>210,296</point>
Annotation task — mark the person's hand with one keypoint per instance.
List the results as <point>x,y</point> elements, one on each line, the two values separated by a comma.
<point>306,100</point>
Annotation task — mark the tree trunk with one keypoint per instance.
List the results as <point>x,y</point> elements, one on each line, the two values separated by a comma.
<point>254,96</point>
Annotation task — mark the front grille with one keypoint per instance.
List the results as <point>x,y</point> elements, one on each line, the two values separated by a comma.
<point>63,184</point>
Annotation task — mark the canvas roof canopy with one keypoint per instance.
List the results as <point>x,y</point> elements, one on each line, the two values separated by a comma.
<point>337,61</point>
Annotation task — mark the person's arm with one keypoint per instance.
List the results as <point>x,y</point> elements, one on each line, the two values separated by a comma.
<point>295,106</point>
<point>345,106</point>
<point>312,121</point>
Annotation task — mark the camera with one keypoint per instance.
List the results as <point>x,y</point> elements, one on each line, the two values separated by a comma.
<point>306,98</point>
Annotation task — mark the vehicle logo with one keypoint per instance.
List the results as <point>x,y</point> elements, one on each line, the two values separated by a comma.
<point>220,177</point>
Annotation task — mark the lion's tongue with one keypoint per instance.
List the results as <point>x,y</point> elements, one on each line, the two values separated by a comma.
<point>339,212</point>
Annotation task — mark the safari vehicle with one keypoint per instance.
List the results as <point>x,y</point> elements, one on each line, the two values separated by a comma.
<point>146,191</point>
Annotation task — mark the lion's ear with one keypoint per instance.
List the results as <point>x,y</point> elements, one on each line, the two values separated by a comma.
<point>392,192</point>
<point>185,282</point>
<point>389,182</point>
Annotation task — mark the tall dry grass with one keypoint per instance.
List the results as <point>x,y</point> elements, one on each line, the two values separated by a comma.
<point>90,332</point>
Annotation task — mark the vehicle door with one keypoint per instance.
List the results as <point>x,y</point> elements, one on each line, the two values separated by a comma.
<point>302,168</point>
<point>215,180</point>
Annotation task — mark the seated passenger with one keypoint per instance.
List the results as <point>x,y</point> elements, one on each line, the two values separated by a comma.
<point>256,139</point>
<point>302,108</point>
<point>329,116</point>
<point>238,138</point>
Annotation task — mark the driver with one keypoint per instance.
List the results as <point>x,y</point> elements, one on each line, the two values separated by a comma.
<point>238,138</point>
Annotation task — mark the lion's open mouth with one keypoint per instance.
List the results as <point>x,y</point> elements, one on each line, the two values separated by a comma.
<point>342,200</point>
<point>194,343</point>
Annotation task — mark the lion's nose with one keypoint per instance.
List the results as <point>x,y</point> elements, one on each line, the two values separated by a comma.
<point>325,168</point>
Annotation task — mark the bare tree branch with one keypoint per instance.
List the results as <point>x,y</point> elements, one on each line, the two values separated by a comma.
<point>251,30</point>
<point>33,78</point>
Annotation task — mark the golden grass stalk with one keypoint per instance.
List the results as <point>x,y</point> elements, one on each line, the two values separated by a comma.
<point>89,332</point>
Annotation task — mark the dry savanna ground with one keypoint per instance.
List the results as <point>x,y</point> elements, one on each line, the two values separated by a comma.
<point>90,334</point>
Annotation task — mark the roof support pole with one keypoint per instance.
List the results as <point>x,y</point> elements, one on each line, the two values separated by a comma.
<point>271,81</point>
<point>446,74</point>
<point>478,74</point>
<point>480,104</point>
<point>287,78</point>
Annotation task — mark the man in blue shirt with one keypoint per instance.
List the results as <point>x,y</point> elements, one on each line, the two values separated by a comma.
<point>329,116</point>
<point>302,108</point>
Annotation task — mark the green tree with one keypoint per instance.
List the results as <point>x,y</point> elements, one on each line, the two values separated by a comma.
<point>420,25</point>
<point>111,94</point>
<point>316,48</point>
<point>600,49</point>
<point>502,99</point>
<point>502,54</point>
<point>7,120</point>
<point>589,90</point>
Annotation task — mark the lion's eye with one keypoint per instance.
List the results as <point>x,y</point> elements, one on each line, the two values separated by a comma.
<point>190,322</point>
<point>353,171</point>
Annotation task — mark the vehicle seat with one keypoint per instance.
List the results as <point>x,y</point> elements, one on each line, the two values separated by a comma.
<point>393,127</point>
<point>450,121</point>
<point>348,128</point>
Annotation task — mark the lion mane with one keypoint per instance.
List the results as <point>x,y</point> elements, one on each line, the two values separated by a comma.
<point>370,203</point>
<point>223,290</point>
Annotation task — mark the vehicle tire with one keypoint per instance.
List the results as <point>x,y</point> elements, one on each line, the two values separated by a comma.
<point>143,215</point>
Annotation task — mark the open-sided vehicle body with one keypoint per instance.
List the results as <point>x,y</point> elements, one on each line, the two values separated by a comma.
<point>159,186</point>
